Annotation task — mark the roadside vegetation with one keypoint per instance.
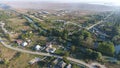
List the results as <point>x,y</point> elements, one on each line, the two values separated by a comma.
<point>70,40</point>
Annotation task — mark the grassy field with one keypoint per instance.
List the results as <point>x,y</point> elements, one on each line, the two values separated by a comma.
<point>6,53</point>
<point>17,24</point>
<point>110,65</point>
<point>15,59</point>
<point>21,61</point>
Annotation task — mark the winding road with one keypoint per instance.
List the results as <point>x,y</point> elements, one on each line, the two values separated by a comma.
<point>41,53</point>
<point>99,22</point>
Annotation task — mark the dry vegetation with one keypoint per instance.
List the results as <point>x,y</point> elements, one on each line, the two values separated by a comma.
<point>18,24</point>
<point>14,61</point>
<point>6,53</point>
<point>21,62</point>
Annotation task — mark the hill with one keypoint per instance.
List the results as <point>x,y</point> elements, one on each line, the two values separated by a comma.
<point>53,5</point>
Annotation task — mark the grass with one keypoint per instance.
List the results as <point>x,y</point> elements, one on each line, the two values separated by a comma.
<point>6,53</point>
<point>15,59</point>
<point>17,24</point>
<point>21,62</point>
<point>111,65</point>
<point>59,52</point>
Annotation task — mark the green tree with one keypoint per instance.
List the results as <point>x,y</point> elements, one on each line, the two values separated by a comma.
<point>66,60</point>
<point>96,55</point>
<point>8,37</point>
<point>73,48</point>
<point>66,53</point>
<point>88,42</point>
<point>65,34</point>
<point>116,39</point>
<point>106,48</point>
<point>118,56</point>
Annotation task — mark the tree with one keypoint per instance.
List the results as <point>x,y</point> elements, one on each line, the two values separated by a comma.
<point>73,48</point>
<point>66,60</point>
<point>118,56</point>
<point>66,53</point>
<point>99,56</point>
<point>55,32</point>
<point>8,37</point>
<point>96,55</point>
<point>65,34</point>
<point>90,54</point>
<point>88,42</point>
<point>116,30</point>
<point>75,66</point>
<point>106,48</point>
<point>116,39</point>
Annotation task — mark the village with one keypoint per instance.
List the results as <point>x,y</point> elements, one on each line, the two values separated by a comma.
<point>58,39</point>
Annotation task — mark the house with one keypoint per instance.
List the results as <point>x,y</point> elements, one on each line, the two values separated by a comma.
<point>49,48</point>
<point>69,66</point>
<point>18,42</point>
<point>28,40</point>
<point>49,45</point>
<point>56,61</point>
<point>37,47</point>
<point>36,59</point>
<point>24,44</point>
<point>62,64</point>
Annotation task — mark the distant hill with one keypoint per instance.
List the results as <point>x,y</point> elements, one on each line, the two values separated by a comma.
<point>4,6</point>
<point>51,5</point>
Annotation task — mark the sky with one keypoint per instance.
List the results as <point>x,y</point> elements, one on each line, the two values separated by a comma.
<point>105,2</point>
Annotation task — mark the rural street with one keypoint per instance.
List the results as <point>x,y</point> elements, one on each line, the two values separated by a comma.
<point>41,53</point>
<point>99,22</point>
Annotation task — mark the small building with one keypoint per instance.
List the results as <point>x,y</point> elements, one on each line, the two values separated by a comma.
<point>49,45</point>
<point>34,60</point>
<point>69,66</point>
<point>18,42</point>
<point>37,47</point>
<point>62,64</point>
<point>55,61</point>
<point>50,50</point>
<point>24,44</point>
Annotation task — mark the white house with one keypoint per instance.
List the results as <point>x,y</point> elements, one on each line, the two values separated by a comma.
<point>69,66</point>
<point>36,59</point>
<point>49,48</point>
<point>37,47</point>
<point>24,44</point>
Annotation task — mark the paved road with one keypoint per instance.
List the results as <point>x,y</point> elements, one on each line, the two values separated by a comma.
<point>44,54</point>
<point>2,26</point>
<point>88,28</point>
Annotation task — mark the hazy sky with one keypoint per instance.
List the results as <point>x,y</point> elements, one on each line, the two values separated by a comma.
<point>113,2</point>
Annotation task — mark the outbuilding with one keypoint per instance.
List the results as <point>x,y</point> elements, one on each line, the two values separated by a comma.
<point>37,47</point>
